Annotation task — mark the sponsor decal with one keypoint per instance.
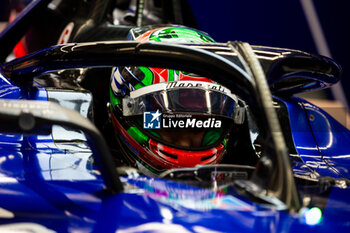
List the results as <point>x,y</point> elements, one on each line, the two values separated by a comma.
<point>157,120</point>
<point>195,84</point>
<point>151,120</point>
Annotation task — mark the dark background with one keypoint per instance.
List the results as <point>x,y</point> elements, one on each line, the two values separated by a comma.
<point>279,23</point>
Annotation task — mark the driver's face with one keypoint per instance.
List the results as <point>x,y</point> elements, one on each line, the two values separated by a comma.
<point>184,137</point>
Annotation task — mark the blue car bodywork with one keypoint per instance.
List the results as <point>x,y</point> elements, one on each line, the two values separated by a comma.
<point>57,174</point>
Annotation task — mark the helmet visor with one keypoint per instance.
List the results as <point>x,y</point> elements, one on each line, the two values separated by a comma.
<point>184,114</point>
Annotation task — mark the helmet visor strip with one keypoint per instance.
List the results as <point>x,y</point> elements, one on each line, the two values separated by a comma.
<point>181,97</point>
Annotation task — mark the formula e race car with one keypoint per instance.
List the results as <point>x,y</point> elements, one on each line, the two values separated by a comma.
<point>268,161</point>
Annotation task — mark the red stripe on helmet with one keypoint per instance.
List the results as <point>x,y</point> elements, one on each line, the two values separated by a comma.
<point>187,158</point>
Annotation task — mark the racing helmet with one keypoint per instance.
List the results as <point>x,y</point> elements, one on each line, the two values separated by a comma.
<point>166,118</point>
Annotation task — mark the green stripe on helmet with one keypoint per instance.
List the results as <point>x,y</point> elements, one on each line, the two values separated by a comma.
<point>148,79</point>
<point>182,34</point>
<point>171,75</point>
<point>114,100</point>
<point>136,134</point>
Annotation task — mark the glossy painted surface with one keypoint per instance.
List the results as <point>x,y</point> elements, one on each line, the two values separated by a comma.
<point>332,139</point>
<point>305,143</point>
<point>7,89</point>
<point>150,204</point>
